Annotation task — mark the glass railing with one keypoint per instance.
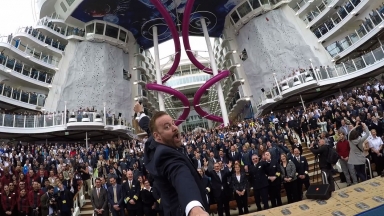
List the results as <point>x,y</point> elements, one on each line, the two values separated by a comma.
<point>30,51</point>
<point>59,119</point>
<point>17,66</point>
<point>335,19</point>
<point>374,20</point>
<point>22,96</point>
<point>299,5</point>
<point>65,31</point>
<point>43,38</point>
<point>325,73</point>
<point>107,29</point>
<point>311,15</point>
<point>184,80</point>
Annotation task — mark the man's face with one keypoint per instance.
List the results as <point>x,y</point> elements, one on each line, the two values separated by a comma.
<point>216,167</point>
<point>167,132</point>
<point>112,181</point>
<point>50,191</point>
<point>129,175</point>
<point>296,152</point>
<point>147,185</point>
<point>98,183</point>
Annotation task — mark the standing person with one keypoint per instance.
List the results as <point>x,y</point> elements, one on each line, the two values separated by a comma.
<point>258,177</point>
<point>99,199</point>
<point>22,203</point>
<point>356,154</point>
<point>274,180</point>
<point>239,183</point>
<point>326,167</point>
<point>343,149</point>
<point>302,167</point>
<point>116,197</point>
<point>166,160</point>
<point>376,145</point>
<point>47,202</point>
<point>131,189</point>
<point>288,174</point>
<point>149,201</point>
<point>8,201</point>
<point>65,201</point>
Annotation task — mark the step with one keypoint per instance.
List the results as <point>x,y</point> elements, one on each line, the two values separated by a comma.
<point>86,212</point>
<point>87,206</point>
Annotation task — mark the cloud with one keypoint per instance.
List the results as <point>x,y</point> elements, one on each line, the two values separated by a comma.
<point>15,14</point>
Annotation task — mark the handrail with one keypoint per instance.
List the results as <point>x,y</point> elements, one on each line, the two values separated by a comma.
<point>369,168</point>
<point>20,95</point>
<point>324,177</point>
<point>68,31</point>
<point>43,38</point>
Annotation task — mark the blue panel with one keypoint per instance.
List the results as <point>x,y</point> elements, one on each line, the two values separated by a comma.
<point>139,15</point>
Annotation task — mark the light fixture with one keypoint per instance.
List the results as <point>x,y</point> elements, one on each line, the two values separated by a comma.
<point>135,68</point>
<point>27,56</point>
<point>9,70</point>
<point>135,83</point>
<point>57,68</point>
<point>49,86</point>
<point>381,26</point>
<point>45,45</point>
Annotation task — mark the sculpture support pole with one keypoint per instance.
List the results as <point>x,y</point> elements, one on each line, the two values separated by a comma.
<point>157,65</point>
<point>302,103</point>
<point>215,72</point>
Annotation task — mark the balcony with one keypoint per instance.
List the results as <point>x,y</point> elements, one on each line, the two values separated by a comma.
<point>28,53</point>
<point>18,97</point>
<point>318,12</point>
<point>188,81</point>
<point>41,39</point>
<point>349,70</point>
<point>52,27</point>
<point>345,14</point>
<point>25,72</point>
<point>300,6</point>
<point>369,28</point>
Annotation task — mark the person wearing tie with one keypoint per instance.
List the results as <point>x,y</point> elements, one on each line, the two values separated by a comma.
<point>220,186</point>
<point>233,155</point>
<point>116,197</point>
<point>99,199</point>
<point>131,190</point>
<point>274,180</point>
<point>258,177</point>
<point>197,161</point>
<point>302,167</point>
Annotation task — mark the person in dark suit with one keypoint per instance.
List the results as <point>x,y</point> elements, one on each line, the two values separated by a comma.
<point>99,199</point>
<point>219,186</point>
<point>233,155</point>
<point>131,190</point>
<point>326,167</point>
<point>198,161</point>
<point>116,197</point>
<point>166,160</point>
<point>159,206</point>
<point>258,175</point>
<point>240,185</point>
<point>41,179</point>
<point>148,199</point>
<point>205,180</point>
<point>302,167</point>
<point>65,201</point>
<point>274,180</point>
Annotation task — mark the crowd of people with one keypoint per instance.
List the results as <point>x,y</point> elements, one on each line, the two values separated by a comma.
<point>249,157</point>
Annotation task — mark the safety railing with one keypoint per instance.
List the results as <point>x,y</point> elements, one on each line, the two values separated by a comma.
<point>22,96</point>
<point>368,164</point>
<point>63,30</point>
<point>311,15</point>
<point>30,51</point>
<point>375,19</point>
<point>324,177</point>
<point>43,38</point>
<point>325,73</point>
<point>17,66</point>
<point>299,5</point>
<point>335,19</point>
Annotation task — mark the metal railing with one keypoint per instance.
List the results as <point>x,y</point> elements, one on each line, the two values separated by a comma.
<point>65,31</point>
<point>43,38</point>
<point>30,51</point>
<point>325,73</point>
<point>16,66</point>
<point>22,96</point>
<point>311,15</point>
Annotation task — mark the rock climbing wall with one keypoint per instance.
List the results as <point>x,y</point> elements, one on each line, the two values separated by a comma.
<point>274,44</point>
<point>95,75</point>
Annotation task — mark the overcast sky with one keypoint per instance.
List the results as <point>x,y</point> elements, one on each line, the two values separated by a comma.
<point>18,13</point>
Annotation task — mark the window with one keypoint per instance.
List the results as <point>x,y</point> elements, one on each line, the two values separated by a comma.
<point>235,17</point>
<point>244,9</point>
<point>111,31</point>
<point>122,35</point>
<point>100,28</point>
<point>90,28</point>
<point>63,6</point>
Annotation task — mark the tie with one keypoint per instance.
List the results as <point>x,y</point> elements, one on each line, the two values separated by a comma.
<point>98,192</point>
<point>233,154</point>
<point>298,158</point>
<point>130,184</point>
<point>114,194</point>
<point>219,174</point>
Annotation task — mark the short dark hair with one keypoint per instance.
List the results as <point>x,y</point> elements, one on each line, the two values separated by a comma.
<point>353,134</point>
<point>152,125</point>
<point>49,187</point>
<point>97,179</point>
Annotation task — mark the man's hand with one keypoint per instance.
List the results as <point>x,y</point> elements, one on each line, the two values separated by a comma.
<point>138,108</point>
<point>198,211</point>
<point>272,178</point>
<point>132,202</point>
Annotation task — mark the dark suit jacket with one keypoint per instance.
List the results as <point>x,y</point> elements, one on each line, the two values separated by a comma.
<point>206,184</point>
<point>301,166</point>
<point>273,168</point>
<point>234,158</point>
<point>42,182</point>
<point>120,196</point>
<point>100,202</point>
<point>323,154</point>
<point>239,185</point>
<point>218,186</point>
<point>131,193</point>
<point>44,204</point>
<point>258,175</point>
<point>172,170</point>
<point>195,162</point>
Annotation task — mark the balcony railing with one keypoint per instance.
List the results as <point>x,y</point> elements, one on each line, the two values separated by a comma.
<point>31,52</point>
<point>300,5</point>
<point>17,66</point>
<point>329,24</point>
<point>43,38</point>
<point>325,73</point>
<point>65,31</point>
<point>23,96</point>
<point>375,19</point>
<point>311,15</point>
<point>59,119</point>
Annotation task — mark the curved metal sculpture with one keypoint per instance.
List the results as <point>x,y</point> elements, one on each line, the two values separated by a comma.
<point>210,82</point>
<point>166,89</point>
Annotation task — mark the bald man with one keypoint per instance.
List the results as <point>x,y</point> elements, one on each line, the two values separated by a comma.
<point>131,190</point>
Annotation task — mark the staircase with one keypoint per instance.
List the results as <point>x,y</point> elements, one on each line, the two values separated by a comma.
<point>87,209</point>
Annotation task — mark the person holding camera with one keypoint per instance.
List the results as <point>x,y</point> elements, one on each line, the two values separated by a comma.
<point>48,202</point>
<point>356,153</point>
<point>322,153</point>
